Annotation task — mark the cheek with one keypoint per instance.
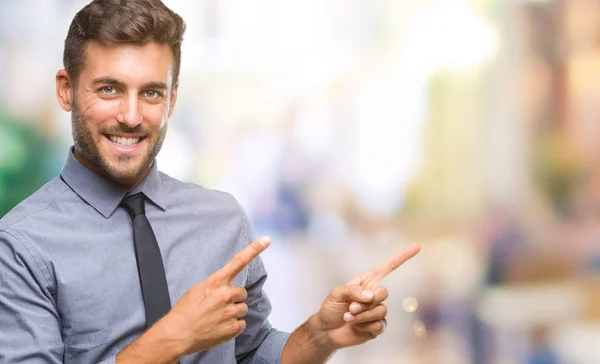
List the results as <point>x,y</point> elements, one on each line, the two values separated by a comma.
<point>154,115</point>
<point>100,112</point>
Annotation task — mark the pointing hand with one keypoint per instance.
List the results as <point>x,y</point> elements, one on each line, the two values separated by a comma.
<point>211,312</point>
<point>354,313</point>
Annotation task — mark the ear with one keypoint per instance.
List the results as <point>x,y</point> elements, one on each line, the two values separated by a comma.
<point>173,99</point>
<point>64,90</point>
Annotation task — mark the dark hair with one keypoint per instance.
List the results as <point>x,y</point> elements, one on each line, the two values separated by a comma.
<point>113,22</point>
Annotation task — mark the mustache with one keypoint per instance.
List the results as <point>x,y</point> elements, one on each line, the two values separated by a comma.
<point>125,130</point>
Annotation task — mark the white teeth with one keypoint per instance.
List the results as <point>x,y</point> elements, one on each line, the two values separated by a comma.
<point>124,142</point>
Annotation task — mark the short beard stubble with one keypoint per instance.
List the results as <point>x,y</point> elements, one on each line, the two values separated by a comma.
<point>84,142</point>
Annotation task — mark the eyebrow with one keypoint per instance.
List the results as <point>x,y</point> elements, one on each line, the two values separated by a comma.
<point>114,82</point>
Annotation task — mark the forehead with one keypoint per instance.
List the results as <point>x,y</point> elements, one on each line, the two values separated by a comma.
<point>129,63</point>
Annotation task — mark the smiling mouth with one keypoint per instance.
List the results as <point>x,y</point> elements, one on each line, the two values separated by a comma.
<point>124,141</point>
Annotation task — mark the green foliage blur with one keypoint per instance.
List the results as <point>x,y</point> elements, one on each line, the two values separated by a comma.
<point>24,159</point>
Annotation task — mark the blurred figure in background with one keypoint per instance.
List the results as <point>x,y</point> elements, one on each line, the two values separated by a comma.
<point>541,349</point>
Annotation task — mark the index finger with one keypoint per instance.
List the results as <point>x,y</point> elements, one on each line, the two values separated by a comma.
<point>373,276</point>
<point>393,262</point>
<point>243,258</point>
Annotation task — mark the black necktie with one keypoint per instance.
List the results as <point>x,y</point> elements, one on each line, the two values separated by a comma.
<point>149,261</point>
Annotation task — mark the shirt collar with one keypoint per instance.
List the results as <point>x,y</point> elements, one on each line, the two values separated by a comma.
<point>105,195</point>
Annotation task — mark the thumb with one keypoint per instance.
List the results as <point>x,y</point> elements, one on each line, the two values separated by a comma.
<point>352,293</point>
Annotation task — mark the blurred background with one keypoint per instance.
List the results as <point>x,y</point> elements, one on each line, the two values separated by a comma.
<point>349,129</point>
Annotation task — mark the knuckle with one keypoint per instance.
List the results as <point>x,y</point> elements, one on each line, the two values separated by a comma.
<point>232,327</point>
<point>239,294</point>
<point>198,291</point>
<point>224,296</point>
<point>235,327</point>
<point>255,247</point>
<point>337,293</point>
<point>384,293</point>
<point>230,295</point>
<point>243,310</point>
<point>384,310</point>
<point>241,326</point>
<point>212,282</point>
<point>392,264</point>
<point>230,311</point>
<point>238,262</point>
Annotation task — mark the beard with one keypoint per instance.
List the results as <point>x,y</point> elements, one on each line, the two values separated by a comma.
<point>124,168</point>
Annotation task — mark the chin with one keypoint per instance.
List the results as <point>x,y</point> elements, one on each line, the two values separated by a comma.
<point>126,175</point>
<point>119,172</point>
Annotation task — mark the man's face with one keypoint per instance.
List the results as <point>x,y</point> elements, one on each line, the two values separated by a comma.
<point>120,107</point>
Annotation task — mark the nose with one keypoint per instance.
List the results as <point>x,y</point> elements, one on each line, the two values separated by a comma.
<point>130,113</point>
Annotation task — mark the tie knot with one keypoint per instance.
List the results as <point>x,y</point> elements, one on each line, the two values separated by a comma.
<point>134,204</point>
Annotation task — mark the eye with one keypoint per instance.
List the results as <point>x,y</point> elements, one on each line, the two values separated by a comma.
<point>153,94</point>
<point>108,90</point>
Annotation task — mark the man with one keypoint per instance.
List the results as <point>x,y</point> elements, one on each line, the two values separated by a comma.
<point>91,262</point>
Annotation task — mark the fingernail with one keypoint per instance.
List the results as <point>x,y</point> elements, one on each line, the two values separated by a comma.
<point>265,240</point>
<point>367,294</point>
<point>355,307</point>
<point>348,317</point>
<point>383,325</point>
